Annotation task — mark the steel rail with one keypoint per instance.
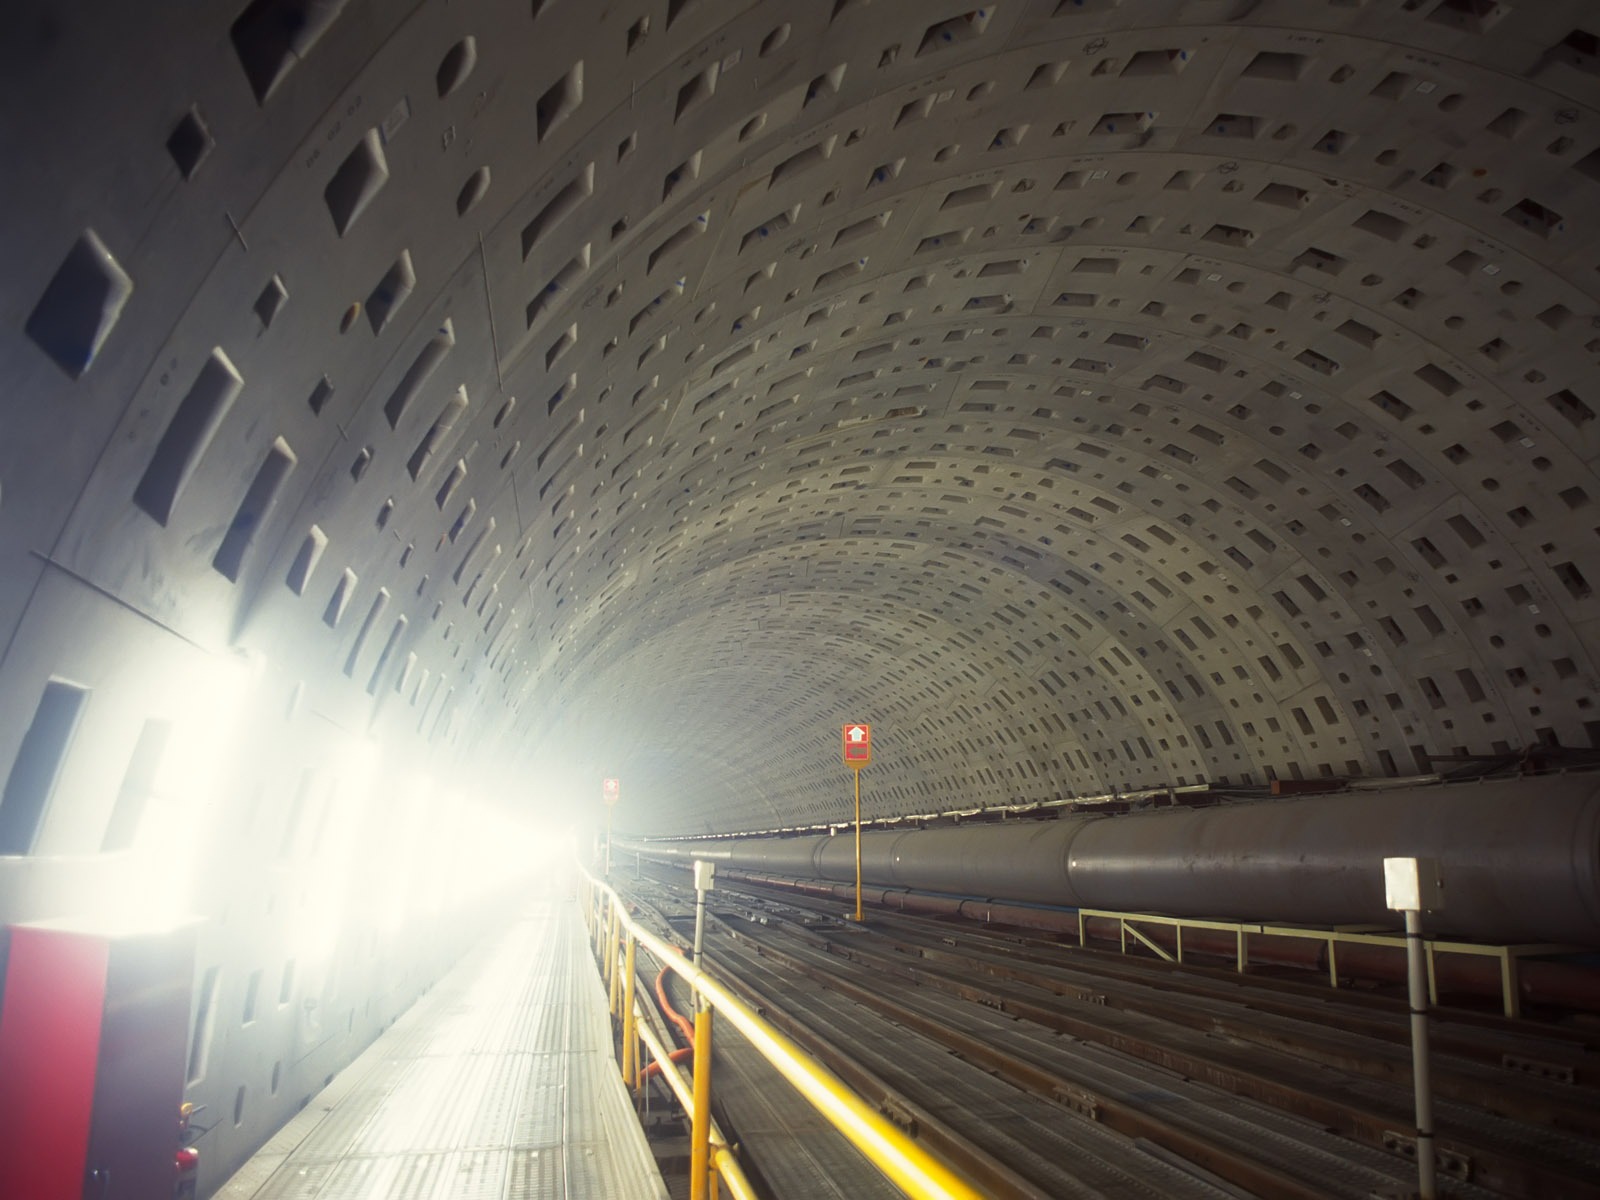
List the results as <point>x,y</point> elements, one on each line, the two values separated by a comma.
<point>1491,1163</point>
<point>1492,1085</point>
<point>1494,1164</point>
<point>1465,1033</point>
<point>1259,1178</point>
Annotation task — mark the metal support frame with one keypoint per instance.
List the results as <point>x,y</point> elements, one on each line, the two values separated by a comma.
<point>1345,935</point>
<point>1146,942</point>
<point>1508,956</point>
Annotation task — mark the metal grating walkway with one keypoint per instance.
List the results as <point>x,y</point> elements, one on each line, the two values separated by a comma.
<point>499,1084</point>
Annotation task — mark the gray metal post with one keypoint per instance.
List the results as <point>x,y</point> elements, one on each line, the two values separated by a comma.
<point>1417,973</point>
<point>1413,886</point>
<point>704,877</point>
<point>699,923</point>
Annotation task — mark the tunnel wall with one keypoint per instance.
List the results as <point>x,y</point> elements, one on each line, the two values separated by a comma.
<point>1520,859</point>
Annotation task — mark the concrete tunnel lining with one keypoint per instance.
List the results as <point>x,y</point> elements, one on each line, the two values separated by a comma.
<point>411,420</point>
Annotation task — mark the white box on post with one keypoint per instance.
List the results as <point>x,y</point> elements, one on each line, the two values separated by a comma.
<point>1412,885</point>
<point>705,874</point>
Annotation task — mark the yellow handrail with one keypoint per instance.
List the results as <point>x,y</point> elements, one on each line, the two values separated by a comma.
<point>903,1162</point>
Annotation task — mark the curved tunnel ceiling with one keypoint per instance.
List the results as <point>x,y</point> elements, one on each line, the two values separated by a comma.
<point>1093,395</point>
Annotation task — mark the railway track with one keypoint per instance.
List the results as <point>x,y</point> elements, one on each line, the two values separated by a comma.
<point>1045,1070</point>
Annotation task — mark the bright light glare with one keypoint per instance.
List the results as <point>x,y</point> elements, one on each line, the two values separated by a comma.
<point>443,853</point>
<point>329,885</point>
<point>550,849</point>
<point>397,864</point>
<point>206,705</point>
<point>486,850</point>
<point>428,853</point>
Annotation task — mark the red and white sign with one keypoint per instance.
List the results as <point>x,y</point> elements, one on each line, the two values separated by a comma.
<point>857,745</point>
<point>610,790</point>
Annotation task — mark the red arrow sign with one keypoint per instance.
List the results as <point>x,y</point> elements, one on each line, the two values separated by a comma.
<point>857,741</point>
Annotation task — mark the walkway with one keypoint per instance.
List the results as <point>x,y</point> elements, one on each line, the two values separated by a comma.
<point>499,1084</point>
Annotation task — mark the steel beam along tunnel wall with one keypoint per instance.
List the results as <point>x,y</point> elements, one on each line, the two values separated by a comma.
<point>411,414</point>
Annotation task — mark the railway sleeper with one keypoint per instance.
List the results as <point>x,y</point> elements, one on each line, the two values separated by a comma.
<point>1576,1113</point>
<point>1381,1016</point>
<point>1258,1177</point>
<point>1497,1169</point>
<point>1391,1063</point>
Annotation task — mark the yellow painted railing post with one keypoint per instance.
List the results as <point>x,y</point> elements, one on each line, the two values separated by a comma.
<point>1510,990</point>
<point>607,919</point>
<point>629,1037</point>
<point>700,1127</point>
<point>612,939</point>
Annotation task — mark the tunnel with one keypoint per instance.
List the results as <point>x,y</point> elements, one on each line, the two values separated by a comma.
<point>413,413</point>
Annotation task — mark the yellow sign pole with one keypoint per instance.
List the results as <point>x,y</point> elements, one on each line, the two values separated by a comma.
<point>857,774</point>
<point>857,742</point>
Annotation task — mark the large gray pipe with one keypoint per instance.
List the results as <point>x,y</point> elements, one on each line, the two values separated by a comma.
<point>1520,859</point>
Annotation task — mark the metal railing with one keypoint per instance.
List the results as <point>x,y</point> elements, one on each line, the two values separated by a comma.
<point>1363,935</point>
<point>617,936</point>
